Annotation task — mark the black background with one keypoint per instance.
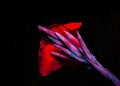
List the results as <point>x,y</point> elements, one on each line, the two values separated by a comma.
<point>99,30</point>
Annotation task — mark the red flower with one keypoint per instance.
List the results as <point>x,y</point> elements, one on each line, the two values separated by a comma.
<point>47,63</point>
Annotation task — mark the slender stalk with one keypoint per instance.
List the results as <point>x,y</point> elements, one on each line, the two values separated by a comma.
<point>105,72</point>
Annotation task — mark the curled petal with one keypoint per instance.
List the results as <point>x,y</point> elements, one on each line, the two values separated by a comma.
<point>68,44</point>
<point>55,41</point>
<point>71,54</point>
<point>49,32</point>
<point>59,55</point>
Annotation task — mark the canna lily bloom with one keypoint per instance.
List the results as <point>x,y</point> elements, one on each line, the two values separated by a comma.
<point>47,62</point>
<point>73,46</point>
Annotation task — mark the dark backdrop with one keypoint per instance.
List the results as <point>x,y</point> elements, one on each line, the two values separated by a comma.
<point>100,32</point>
